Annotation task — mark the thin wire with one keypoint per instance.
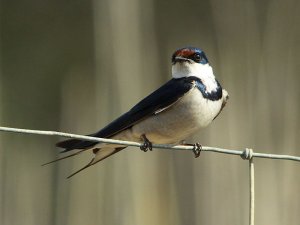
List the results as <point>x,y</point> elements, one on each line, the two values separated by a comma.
<point>136,144</point>
<point>246,154</point>
<point>251,188</point>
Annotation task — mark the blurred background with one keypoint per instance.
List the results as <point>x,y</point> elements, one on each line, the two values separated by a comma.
<point>74,66</point>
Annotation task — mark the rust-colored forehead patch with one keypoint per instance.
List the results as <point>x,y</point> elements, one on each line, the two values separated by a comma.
<point>185,52</point>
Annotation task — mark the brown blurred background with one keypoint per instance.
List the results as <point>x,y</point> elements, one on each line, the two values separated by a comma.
<point>75,65</point>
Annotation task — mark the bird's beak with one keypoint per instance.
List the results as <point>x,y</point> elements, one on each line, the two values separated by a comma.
<point>181,59</point>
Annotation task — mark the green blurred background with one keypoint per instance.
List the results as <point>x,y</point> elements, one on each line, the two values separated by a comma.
<point>75,65</point>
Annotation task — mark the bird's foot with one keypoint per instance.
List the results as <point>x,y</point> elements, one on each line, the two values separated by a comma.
<point>197,148</point>
<point>147,145</point>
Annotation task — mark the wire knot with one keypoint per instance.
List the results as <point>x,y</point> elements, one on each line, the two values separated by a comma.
<point>247,154</point>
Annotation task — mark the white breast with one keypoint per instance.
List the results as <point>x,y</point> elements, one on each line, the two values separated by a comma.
<point>176,123</point>
<point>197,109</point>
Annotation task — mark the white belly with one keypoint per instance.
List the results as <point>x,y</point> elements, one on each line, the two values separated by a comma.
<point>179,121</point>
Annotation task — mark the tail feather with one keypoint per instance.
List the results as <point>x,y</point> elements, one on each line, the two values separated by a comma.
<point>65,157</point>
<point>71,144</point>
<point>83,168</point>
<point>99,156</point>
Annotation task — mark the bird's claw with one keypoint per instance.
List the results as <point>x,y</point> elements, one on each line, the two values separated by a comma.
<point>147,145</point>
<point>197,149</point>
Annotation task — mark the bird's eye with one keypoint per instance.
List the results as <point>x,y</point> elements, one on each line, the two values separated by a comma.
<point>197,57</point>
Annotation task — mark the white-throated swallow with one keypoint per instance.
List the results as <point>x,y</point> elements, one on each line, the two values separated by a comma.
<point>191,100</point>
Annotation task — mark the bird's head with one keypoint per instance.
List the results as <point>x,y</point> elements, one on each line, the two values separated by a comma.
<point>190,61</point>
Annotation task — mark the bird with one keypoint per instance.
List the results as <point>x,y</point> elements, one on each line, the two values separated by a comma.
<point>185,104</point>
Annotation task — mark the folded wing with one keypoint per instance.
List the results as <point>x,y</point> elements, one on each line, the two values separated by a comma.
<point>156,102</point>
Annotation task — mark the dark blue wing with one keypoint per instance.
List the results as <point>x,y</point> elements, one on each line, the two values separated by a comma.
<point>163,97</point>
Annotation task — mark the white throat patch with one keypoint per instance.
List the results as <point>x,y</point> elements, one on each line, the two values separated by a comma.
<point>204,72</point>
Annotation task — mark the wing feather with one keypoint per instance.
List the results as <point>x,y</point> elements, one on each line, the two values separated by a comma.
<point>156,102</point>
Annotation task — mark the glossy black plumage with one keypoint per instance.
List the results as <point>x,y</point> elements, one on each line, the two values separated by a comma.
<point>214,95</point>
<point>162,98</point>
